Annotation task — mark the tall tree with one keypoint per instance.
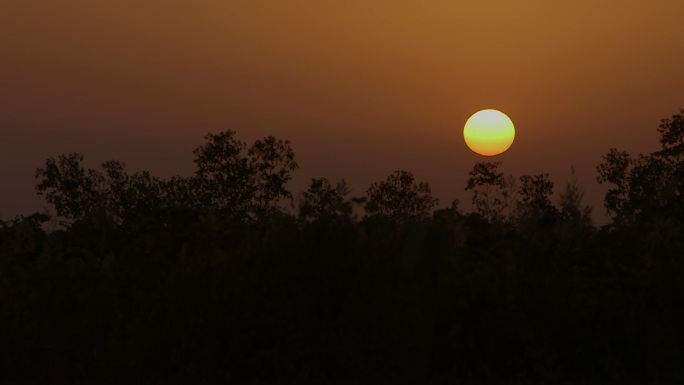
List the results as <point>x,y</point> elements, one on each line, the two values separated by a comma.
<point>492,192</point>
<point>240,182</point>
<point>272,163</point>
<point>400,198</point>
<point>650,185</point>
<point>535,196</point>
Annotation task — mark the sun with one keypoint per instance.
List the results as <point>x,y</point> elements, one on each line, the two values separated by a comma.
<point>489,132</point>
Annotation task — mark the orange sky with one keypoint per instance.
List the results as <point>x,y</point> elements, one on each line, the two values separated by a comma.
<point>361,88</point>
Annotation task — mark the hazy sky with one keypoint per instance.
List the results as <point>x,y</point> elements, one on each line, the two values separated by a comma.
<point>361,88</point>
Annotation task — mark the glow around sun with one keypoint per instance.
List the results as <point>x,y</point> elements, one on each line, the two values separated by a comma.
<point>489,132</point>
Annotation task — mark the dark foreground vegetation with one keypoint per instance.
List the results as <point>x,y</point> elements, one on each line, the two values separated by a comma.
<point>225,277</point>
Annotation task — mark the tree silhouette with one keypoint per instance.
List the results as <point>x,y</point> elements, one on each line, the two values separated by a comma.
<point>400,198</point>
<point>323,201</point>
<point>130,197</point>
<point>648,185</point>
<point>243,183</point>
<point>491,191</point>
<point>73,190</point>
<point>77,192</point>
<point>535,193</point>
<point>671,132</point>
<point>230,180</point>
<point>570,201</point>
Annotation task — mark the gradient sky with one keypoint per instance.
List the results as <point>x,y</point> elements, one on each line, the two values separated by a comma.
<point>361,88</point>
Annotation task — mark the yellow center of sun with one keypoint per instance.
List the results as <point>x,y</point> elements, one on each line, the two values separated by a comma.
<point>489,132</point>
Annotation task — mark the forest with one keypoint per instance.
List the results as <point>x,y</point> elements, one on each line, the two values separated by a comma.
<point>225,276</point>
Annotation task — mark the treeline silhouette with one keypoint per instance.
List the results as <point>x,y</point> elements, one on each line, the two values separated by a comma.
<point>226,277</point>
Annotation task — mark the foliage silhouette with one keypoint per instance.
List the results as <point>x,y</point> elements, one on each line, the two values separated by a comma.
<point>571,202</point>
<point>650,185</point>
<point>322,201</point>
<point>207,279</point>
<point>535,196</point>
<point>491,191</point>
<point>243,185</point>
<point>400,198</point>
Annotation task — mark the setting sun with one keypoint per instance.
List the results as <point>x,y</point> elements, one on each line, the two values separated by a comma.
<point>489,132</point>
